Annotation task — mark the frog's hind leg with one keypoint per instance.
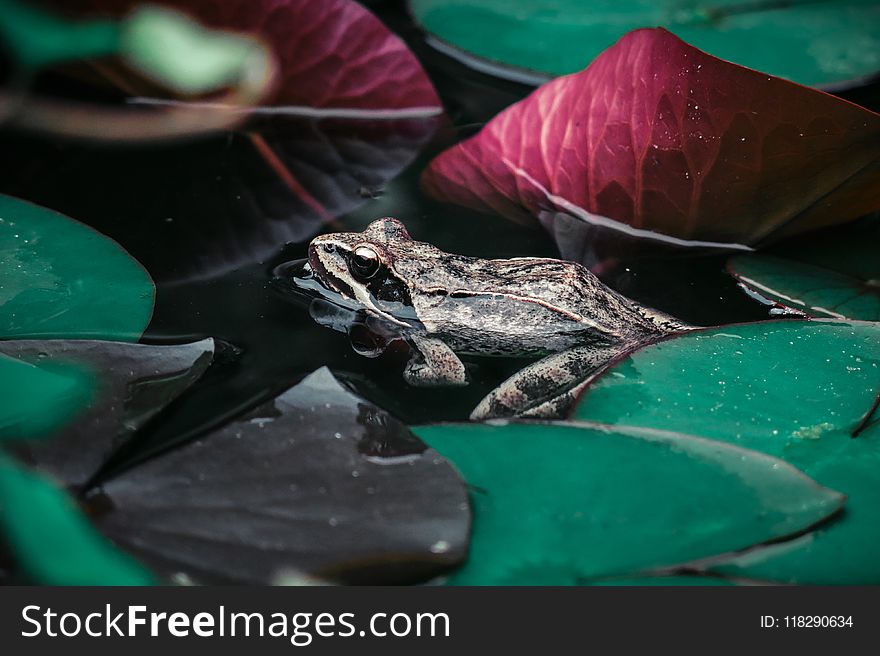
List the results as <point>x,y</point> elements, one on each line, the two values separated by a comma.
<point>433,363</point>
<point>546,388</point>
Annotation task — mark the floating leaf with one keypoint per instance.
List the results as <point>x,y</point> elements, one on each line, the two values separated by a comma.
<point>333,54</point>
<point>222,206</point>
<point>336,59</point>
<point>792,389</point>
<point>50,540</point>
<point>845,551</point>
<point>145,46</point>
<point>658,139</point>
<point>583,502</point>
<point>147,38</point>
<point>812,290</point>
<point>113,387</point>
<point>814,42</point>
<point>352,110</point>
<point>37,39</point>
<point>60,278</point>
<point>317,481</point>
<point>157,41</point>
<point>836,275</point>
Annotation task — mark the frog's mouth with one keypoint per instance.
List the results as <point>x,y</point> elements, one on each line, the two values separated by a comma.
<point>295,281</point>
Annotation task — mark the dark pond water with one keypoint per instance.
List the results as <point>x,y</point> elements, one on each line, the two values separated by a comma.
<point>152,199</point>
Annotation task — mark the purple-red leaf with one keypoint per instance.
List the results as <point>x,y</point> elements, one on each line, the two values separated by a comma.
<point>352,108</point>
<point>663,137</point>
<point>331,54</point>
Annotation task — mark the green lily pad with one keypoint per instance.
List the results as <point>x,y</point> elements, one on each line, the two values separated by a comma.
<point>38,39</point>
<point>51,541</point>
<point>792,389</point>
<point>60,278</point>
<point>844,552</point>
<point>815,291</point>
<point>38,401</point>
<point>833,275</point>
<point>560,503</point>
<point>815,42</point>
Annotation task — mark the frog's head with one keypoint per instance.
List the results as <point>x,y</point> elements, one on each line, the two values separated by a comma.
<point>360,266</point>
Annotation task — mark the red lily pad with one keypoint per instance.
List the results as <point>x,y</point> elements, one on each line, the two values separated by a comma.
<point>666,140</point>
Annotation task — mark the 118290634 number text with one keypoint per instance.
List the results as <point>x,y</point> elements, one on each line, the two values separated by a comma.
<point>807,622</point>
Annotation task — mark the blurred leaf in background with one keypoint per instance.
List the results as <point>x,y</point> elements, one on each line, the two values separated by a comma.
<point>152,43</point>
<point>52,542</point>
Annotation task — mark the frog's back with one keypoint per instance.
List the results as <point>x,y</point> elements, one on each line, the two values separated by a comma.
<point>522,301</point>
<point>578,292</point>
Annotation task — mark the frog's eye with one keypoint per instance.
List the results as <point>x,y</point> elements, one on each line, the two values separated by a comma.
<point>364,263</point>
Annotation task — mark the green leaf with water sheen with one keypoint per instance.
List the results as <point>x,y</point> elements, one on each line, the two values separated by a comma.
<point>827,275</point>
<point>38,39</point>
<point>558,503</point>
<point>813,290</point>
<point>51,541</point>
<point>813,42</point>
<point>792,389</point>
<point>843,552</point>
<point>60,278</point>
<point>37,401</point>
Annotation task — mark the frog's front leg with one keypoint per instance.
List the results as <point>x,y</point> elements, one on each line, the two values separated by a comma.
<point>547,388</point>
<point>433,363</point>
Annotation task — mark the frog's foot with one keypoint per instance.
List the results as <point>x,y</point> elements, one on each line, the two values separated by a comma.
<point>546,388</point>
<point>433,364</point>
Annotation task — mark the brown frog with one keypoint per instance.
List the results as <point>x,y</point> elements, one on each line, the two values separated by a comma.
<point>445,304</point>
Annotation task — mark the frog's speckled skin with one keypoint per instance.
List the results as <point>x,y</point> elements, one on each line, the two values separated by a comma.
<point>445,304</point>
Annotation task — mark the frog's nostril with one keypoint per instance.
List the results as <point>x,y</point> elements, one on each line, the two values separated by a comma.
<point>329,248</point>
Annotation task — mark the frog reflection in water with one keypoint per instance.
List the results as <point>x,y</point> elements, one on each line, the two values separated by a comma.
<point>444,305</point>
